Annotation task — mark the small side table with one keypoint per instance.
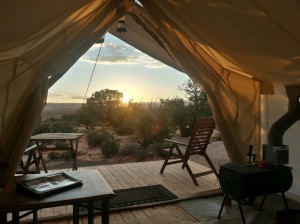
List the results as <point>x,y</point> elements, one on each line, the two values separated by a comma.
<point>94,188</point>
<point>240,181</point>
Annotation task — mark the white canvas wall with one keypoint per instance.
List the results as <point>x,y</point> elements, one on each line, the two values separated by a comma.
<point>273,107</point>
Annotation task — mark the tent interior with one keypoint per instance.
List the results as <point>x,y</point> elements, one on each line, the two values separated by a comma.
<point>244,54</point>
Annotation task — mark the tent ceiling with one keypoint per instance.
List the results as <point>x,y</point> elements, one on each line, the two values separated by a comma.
<point>137,37</point>
<point>260,39</point>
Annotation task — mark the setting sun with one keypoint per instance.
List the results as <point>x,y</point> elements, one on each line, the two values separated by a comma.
<point>126,98</point>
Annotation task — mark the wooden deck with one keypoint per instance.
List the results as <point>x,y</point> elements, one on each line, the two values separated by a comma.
<point>121,176</point>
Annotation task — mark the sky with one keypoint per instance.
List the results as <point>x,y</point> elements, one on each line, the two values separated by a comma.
<point>121,67</point>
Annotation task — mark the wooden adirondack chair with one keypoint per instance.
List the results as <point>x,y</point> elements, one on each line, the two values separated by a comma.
<point>196,145</point>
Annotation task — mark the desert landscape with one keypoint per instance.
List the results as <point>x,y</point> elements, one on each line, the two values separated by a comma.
<point>56,110</point>
<point>92,156</point>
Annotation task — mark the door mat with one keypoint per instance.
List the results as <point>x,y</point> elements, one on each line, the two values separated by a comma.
<point>135,196</point>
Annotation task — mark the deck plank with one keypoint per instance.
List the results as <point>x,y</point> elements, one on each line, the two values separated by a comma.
<point>128,175</point>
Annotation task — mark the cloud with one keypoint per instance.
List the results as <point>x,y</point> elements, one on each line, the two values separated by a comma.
<point>63,97</point>
<point>112,54</point>
<point>54,94</point>
<point>78,97</point>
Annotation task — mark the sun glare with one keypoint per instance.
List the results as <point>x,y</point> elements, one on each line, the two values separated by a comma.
<point>126,98</point>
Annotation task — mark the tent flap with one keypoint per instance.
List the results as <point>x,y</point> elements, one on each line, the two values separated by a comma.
<point>235,50</point>
<point>42,48</point>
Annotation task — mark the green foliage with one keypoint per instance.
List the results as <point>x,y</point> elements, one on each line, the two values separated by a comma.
<point>177,113</point>
<point>67,155</point>
<point>183,114</point>
<point>197,99</point>
<point>86,116</point>
<point>134,150</point>
<point>129,149</point>
<point>150,128</point>
<point>158,148</point>
<point>61,144</point>
<point>53,155</point>
<point>149,124</point>
<point>125,129</point>
<point>141,155</point>
<point>54,125</point>
<point>95,138</point>
<point>110,147</point>
<point>119,116</point>
<point>71,118</point>
<point>105,105</point>
<point>42,127</point>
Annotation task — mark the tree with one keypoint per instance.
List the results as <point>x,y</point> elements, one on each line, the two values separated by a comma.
<point>85,116</point>
<point>148,126</point>
<point>177,112</point>
<point>105,105</point>
<point>197,100</point>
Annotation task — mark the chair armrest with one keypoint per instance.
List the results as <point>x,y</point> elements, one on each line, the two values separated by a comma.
<point>176,142</point>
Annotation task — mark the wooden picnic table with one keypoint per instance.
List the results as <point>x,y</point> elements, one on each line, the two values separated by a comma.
<point>41,141</point>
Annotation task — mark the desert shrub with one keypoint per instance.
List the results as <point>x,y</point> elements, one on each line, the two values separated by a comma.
<point>67,155</point>
<point>125,130</point>
<point>109,147</point>
<point>71,118</point>
<point>129,149</point>
<point>141,155</point>
<point>61,144</point>
<point>158,149</point>
<point>150,129</point>
<point>96,138</point>
<point>42,127</point>
<point>53,155</point>
<point>134,150</point>
<point>54,125</point>
<point>61,126</point>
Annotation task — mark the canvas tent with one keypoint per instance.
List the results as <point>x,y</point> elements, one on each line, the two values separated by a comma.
<point>238,51</point>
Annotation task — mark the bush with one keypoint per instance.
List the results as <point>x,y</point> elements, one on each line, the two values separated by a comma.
<point>134,150</point>
<point>53,155</point>
<point>54,125</point>
<point>158,148</point>
<point>96,138</point>
<point>67,155</point>
<point>141,155</point>
<point>150,130</point>
<point>42,127</point>
<point>129,149</point>
<point>109,147</point>
<point>125,130</point>
<point>61,144</point>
